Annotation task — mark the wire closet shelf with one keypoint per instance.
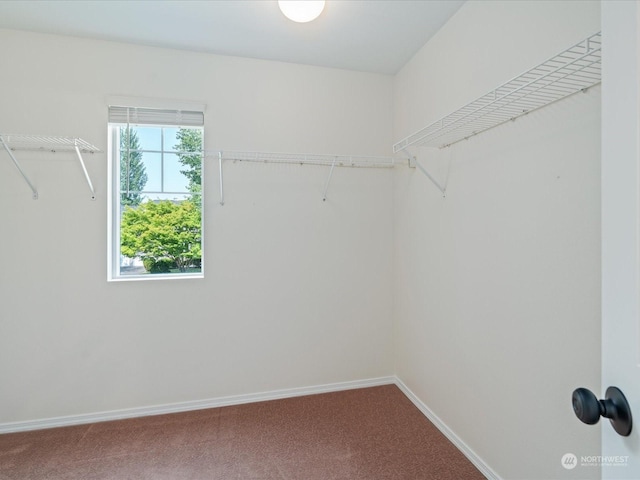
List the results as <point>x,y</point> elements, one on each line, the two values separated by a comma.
<point>12,142</point>
<point>575,69</point>
<point>47,143</point>
<point>329,160</point>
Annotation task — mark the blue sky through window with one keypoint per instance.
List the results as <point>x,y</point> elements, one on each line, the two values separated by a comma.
<point>162,166</point>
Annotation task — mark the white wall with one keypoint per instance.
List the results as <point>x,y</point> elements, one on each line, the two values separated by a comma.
<point>298,292</point>
<point>498,285</point>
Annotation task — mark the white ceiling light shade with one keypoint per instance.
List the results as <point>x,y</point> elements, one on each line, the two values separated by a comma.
<point>301,11</point>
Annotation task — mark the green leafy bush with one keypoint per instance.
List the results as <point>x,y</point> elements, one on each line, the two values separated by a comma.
<point>163,265</point>
<point>162,231</point>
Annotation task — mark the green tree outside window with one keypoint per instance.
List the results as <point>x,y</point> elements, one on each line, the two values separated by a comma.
<point>133,176</point>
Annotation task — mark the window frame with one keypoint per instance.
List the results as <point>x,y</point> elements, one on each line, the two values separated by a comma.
<point>114,206</point>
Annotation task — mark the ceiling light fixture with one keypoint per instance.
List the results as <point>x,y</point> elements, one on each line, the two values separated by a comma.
<point>301,11</point>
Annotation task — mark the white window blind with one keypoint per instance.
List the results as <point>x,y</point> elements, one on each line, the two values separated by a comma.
<point>155,116</point>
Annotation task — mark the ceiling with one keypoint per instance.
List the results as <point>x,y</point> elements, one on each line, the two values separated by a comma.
<point>377,36</point>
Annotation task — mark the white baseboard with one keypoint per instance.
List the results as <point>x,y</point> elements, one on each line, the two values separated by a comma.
<point>188,406</point>
<point>447,432</point>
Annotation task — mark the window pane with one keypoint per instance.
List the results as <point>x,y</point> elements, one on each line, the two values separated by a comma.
<point>149,138</point>
<point>187,140</point>
<point>133,172</point>
<point>161,236</point>
<point>153,167</point>
<point>175,179</point>
<point>171,142</point>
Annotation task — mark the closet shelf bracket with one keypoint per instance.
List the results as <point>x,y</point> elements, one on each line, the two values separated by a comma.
<point>413,162</point>
<point>84,169</point>
<point>14,142</point>
<point>34,194</point>
<point>326,187</point>
<point>221,179</point>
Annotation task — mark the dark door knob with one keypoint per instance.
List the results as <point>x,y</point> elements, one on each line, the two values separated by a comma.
<point>615,407</point>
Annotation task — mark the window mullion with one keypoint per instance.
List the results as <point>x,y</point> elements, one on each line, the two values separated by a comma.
<point>162,160</point>
<point>128,163</point>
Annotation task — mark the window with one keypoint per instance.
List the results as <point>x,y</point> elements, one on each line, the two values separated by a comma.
<point>155,176</point>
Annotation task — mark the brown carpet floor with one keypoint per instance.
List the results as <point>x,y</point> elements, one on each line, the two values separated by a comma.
<point>369,434</point>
